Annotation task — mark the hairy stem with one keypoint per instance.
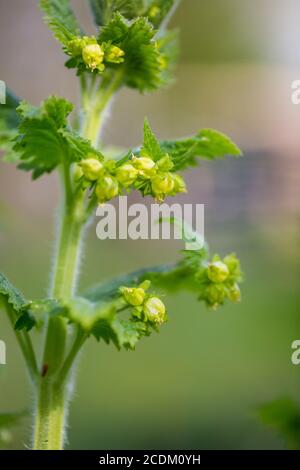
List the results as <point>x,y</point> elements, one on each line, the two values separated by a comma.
<point>53,384</point>
<point>25,344</point>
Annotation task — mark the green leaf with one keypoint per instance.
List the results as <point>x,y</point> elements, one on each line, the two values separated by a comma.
<point>103,10</point>
<point>151,147</point>
<point>122,333</point>
<point>61,20</point>
<point>44,139</point>
<point>142,65</point>
<point>86,314</point>
<point>283,415</point>
<point>12,295</point>
<point>169,278</point>
<point>208,144</point>
<point>9,121</point>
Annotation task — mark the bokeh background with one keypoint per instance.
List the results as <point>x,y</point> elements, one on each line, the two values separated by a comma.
<point>199,382</point>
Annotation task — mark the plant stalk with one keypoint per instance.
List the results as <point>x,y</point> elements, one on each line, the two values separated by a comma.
<point>52,399</point>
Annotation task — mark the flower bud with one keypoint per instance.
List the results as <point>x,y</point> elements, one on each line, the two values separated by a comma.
<point>93,56</point>
<point>217,271</point>
<point>155,310</point>
<point>134,296</point>
<point>76,45</point>
<point>179,184</point>
<point>165,163</point>
<point>107,188</point>
<point>91,168</point>
<point>127,174</point>
<point>162,184</point>
<point>114,55</point>
<point>214,295</point>
<point>144,165</point>
<point>154,11</point>
<point>234,294</point>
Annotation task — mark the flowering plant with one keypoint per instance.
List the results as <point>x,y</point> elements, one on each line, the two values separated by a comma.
<point>132,48</point>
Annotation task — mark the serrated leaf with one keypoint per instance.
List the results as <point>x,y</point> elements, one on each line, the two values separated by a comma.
<point>208,144</point>
<point>86,314</point>
<point>151,147</point>
<point>25,322</point>
<point>45,140</point>
<point>12,295</point>
<point>142,66</point>
<point>122,333</point>
<point>103,10</point>
<point>61,19</point>
<point>283,415</point>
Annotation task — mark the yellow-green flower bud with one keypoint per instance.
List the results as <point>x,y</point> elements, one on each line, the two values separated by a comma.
<point>155,310</point>
<point>145,166</point>
<point>93,56</point>
<point>165,163</point>
<point>217,271</point>
<point>107,188</point>
<point>91,168</point>
<point>162,185</point>
<point>214,295</point>
<point>134,296</point>
<point>179,184</point>
<point>76,45</point>
<point>145,284</point>
<point>154,11</point>
<point>234,294</point>
<point>114,55</point>
<point>127,174</point>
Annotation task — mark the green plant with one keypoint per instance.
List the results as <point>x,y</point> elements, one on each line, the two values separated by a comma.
<point>133,48</point>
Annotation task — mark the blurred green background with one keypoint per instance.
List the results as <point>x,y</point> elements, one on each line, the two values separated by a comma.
<point>198,383</point>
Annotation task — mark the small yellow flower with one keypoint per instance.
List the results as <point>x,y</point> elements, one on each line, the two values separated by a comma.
<point>93,56</point>
<point>217,271</point>
<point>155,310</point>
<point>107,188</point>
<point>162,185</point>
<point>127,174</point>
<point>234,294</point>
<point>134,296</point>
<point>145,166</point>
<point>114,54</point>
<point>91,168</point>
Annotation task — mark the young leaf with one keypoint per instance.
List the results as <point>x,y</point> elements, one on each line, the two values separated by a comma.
<point>44,139</point>
<point>60,19</point>
<point>103,10</point>
<point>151,147</point>
<point>142,64</point>
<point>208,144</point>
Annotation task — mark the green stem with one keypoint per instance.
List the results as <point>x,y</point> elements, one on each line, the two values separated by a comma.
<point>53,382</point>
<point>94,105</point>
<point>25,344</point>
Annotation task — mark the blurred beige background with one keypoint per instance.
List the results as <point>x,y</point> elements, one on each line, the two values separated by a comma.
<point>199,382</point>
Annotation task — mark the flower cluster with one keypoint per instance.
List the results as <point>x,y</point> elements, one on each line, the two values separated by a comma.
<point>146,307</point>
<point>110,178</point>
<point>219,281</point>
<point>94,56</point>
